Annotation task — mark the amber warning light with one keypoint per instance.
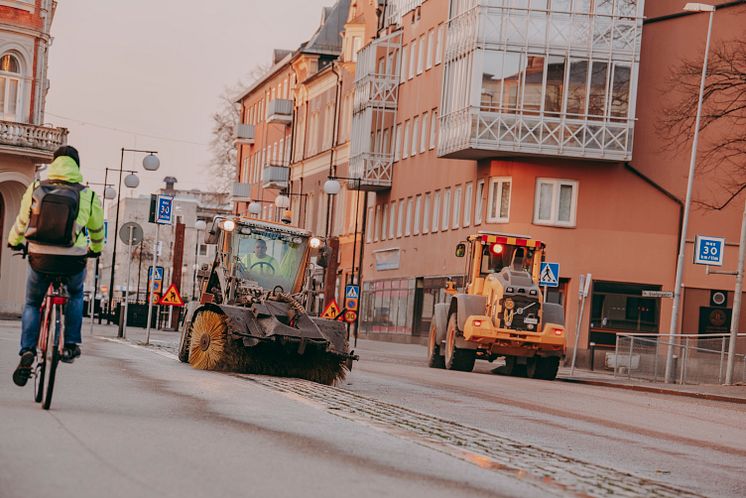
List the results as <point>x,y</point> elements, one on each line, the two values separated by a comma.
<point>497,248</point>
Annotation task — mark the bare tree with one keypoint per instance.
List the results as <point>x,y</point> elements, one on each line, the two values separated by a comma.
<point>223,167</point>
<point>723,153</point>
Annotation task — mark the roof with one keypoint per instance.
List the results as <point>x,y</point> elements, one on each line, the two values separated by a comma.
<point>327,40</point>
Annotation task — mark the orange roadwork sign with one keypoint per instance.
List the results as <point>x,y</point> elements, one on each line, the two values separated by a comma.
<point>171,297</point>
<point>331,311</point>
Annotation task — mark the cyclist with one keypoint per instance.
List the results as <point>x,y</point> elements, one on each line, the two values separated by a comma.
<point>51,219</point>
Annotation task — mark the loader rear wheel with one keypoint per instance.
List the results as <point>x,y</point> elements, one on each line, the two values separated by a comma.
<point>457,358</point>
<point>543,368</point>
<point>184,345</point>
<point>434,358</point>
<point>209,345</point>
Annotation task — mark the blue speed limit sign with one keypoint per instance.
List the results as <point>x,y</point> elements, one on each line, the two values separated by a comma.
<point>709,250</point>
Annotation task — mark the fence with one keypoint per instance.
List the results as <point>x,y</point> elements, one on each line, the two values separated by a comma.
<point>697,358</point>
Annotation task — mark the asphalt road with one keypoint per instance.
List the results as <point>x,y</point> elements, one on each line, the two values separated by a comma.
<point>131,421</point>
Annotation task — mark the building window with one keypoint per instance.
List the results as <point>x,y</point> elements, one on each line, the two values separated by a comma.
<point>436,211</point>
<point>400,219</point>
<point>421,55</point>
<point>369,234</point>
<point>479,203</point>
<point>357,42</point>
<point>456,207</point>
<point>404,64</point>
<point>468,193</point>
<point>397,146</point>
<point>430,48</point>
<point>426,214</point>
<point>433,128</point>
<point>203,249</point>
<point>392,220</point>
<point>439,45</point>
<point>446,208</point>
<point>417,214</point>
<point>556,202</point>
<point>415,134</point>
<point>412,58</point>
<point>423,133</point>
<point>384,221</point>
<point>405,148</point>
<point>377,225</point>
<point>618,307</point>
<point>499,200</point>
<point>408,225</point>
<point>10,87</point>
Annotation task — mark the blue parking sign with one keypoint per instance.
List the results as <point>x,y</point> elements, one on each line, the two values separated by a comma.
<point>164,209</point>
<point>709,250</point>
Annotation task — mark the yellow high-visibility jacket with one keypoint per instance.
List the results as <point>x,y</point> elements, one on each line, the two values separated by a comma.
<point>90,214</point>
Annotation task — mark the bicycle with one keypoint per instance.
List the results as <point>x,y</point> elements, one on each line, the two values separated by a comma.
<point>50,345</point>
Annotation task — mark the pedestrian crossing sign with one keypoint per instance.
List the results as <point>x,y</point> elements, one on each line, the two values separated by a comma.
<point>171,297</point>
<point>549,275</point>
<point>352,292</point>
<point>331,311</point>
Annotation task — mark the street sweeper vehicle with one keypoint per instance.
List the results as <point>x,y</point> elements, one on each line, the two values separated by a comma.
<point>502,313</point>
<point>251,316</point>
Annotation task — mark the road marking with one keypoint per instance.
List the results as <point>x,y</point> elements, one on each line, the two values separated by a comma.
<point>544,468</point>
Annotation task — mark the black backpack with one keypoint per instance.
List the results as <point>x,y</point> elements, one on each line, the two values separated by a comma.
<point>54,209</point>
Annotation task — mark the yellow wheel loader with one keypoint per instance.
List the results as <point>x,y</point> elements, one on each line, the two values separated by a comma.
<point>502,313</point>
<point>251,316</point>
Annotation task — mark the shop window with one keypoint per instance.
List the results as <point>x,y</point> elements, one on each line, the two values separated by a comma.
<point>619,307</point>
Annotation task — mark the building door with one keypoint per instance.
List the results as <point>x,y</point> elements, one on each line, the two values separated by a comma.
<point>419,295</point>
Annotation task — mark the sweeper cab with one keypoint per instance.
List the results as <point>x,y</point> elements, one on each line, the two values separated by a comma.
<point>251,316</point>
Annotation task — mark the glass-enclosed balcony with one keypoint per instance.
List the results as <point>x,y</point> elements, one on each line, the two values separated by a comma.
<point>541,77</point>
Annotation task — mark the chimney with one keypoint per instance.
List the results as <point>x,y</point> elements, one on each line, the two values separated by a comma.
<point>170,181</point>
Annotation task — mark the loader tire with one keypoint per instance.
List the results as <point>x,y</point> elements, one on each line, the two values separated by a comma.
<point>543,368</point>
<point>456,358</point>
<point>434,358</point>
<point>210,347</point>
<point>184,345</point>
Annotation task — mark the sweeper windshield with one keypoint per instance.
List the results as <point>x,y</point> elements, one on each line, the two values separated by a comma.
<point>269,258</point>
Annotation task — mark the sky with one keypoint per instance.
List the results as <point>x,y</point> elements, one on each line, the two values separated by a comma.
<point>148,74</point>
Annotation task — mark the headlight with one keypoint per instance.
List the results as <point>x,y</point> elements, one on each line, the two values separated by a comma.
<point>228,225</point>
<point>509,304</point>
<point>510,290</point>
<point>315,242</point>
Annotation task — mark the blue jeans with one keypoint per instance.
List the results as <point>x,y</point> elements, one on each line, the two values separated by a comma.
<point>36,288</point>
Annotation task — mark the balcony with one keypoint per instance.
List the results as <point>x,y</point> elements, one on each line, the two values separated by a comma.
<point>241,192</point>
<point>276,176</point>
<point>31,140</point>
<point>547,82</point>
<point>280,111</point>
<point>374,113</point>
<point>245,134</point>
<point>396,9</point>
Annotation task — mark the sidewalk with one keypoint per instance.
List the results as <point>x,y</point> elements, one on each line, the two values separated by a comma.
<point>713,392</point>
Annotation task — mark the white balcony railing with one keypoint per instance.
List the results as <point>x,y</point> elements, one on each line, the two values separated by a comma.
<point>241,192</point>
<point>276,176</point>
<point>40,138</point>
<point>245,134</point>
<point>280,111</point>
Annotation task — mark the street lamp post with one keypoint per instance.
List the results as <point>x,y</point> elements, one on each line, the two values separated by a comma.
<point>109,193</point>
<point>199,225</point>
<point>150,163</point>
<point>689,7</point>
<point>333,187</point>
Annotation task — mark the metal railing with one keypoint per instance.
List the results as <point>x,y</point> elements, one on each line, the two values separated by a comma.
<point>698,358</point>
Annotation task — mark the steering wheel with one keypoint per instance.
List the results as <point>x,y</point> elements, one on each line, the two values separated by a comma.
<point>263,263</point>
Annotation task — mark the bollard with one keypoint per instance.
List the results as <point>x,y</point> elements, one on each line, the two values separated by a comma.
<point>593,355</point>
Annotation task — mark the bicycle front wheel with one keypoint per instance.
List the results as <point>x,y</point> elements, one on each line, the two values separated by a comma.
<point>51,356</point>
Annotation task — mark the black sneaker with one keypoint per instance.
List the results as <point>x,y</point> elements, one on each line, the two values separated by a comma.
<point>23,371</point>
<point>69,353</point>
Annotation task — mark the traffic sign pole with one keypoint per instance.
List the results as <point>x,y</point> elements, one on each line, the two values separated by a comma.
<point>127,284</point>
<point>736,316</point>
<point>152,280</point>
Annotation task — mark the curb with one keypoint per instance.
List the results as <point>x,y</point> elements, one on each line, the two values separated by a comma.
<point>656,390</point>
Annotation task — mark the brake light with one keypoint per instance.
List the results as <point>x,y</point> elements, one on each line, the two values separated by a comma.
<point>477,323</point>
<point>559,331</point>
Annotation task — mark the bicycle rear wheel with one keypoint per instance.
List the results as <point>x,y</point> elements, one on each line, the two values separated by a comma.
<point>52,355</point>
<point>44,346</point>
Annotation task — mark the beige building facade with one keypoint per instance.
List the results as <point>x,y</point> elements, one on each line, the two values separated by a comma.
<point>26,144</point>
